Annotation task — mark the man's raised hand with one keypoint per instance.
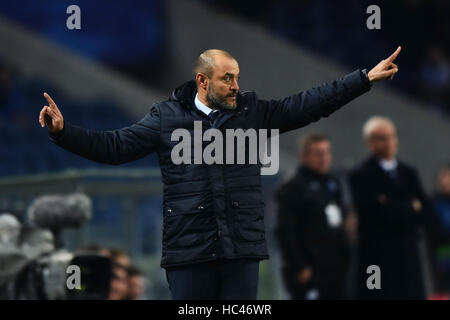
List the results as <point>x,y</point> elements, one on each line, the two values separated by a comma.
<point>51,116</point>
<point>385,69</point>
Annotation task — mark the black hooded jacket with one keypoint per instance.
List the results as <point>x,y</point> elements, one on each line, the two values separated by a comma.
<point>209,210</point>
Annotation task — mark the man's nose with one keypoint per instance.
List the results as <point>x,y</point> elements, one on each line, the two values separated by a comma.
<point>235,85</point>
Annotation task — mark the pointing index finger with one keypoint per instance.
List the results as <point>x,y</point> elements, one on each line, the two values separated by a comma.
<point>395,54</point>
<point>50,100</point>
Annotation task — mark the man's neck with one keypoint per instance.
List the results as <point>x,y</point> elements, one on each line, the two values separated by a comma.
<point>201,105</point>
<point>202,99</point>
<point>387,159</point>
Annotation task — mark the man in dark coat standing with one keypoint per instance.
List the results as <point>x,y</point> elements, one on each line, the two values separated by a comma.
<point>213,211</point>
<point>310,227</point>
<point>440,237</point>
<point>392,213</point>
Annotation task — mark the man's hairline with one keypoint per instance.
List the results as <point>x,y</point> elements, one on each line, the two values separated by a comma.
<point>214,66</point>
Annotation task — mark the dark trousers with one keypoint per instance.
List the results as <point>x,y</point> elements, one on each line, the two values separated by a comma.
<point>222,279</point>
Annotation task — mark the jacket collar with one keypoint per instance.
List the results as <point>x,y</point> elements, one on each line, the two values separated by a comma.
<point>303,170</point>
<point>373,163</point>
<point>185,94</point>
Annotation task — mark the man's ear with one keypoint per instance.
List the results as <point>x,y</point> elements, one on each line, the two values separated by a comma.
<point>202,81</point>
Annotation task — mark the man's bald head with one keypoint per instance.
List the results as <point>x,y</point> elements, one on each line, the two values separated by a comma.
<point>375,123</point>
<point>381,136</point>
<point>216,74</point>
<point>206,61</point>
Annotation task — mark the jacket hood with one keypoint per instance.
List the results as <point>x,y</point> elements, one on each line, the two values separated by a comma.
<point>185,93</point>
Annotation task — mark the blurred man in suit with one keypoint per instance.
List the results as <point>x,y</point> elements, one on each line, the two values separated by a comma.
<point>310,226</point>
<point>392,209</point>
<point>441,235</point>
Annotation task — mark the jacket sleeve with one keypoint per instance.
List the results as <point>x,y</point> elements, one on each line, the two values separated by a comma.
<point>426,217</point>
<point>114,146</point>
<point>301,109</point>
<point>289,229</point>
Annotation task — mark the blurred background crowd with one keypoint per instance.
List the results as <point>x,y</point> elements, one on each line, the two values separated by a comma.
<point>128,55</point>
<point>127,282</point>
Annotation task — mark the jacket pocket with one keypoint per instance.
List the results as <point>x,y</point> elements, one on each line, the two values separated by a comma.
<point>248,215</point>
<point>186,204</point>
<point>186,221</point>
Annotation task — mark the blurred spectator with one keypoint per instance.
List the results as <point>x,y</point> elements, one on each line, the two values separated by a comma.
<point>135,284</point>
<point>441,203</point>
<point>119,283</point>
<point>311,229</point>
<point>393,210</point>
<point>120,257</point>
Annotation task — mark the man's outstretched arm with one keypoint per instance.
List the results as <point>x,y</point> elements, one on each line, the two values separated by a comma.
<point>301,109</point>
<point>110,147</point>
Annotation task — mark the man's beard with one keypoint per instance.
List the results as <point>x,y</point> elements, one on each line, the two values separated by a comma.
<point>217,102</point>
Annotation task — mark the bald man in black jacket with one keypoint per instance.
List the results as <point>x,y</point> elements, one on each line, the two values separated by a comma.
<point>213,213</point>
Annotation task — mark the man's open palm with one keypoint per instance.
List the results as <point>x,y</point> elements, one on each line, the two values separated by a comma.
<point>385,69</point>
<point>51,116</point>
